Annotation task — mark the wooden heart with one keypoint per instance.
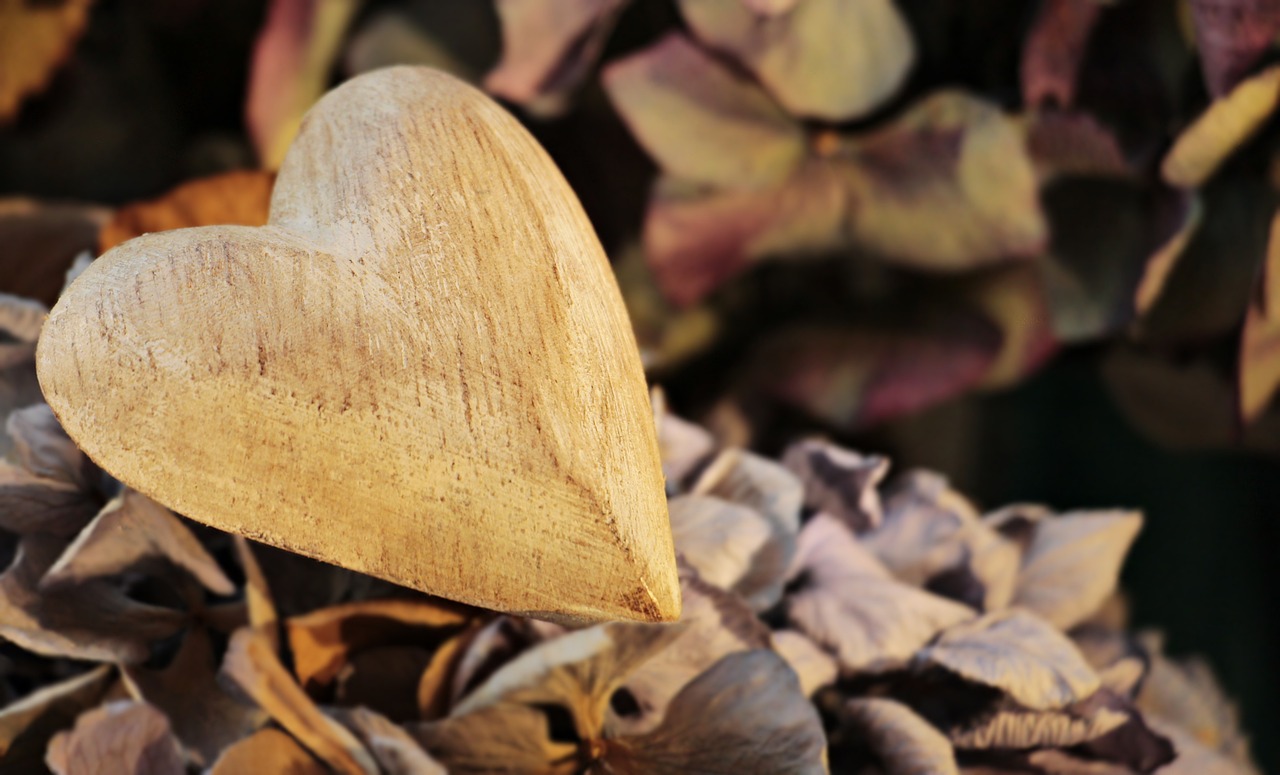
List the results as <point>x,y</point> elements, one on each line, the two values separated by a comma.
<point>420,368</point>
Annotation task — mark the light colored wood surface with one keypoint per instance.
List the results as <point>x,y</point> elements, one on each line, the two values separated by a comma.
<point>421,368</point>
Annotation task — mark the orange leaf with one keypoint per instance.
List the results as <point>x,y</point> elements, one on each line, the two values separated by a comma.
<point>240,198</point>
<point>35,38</point>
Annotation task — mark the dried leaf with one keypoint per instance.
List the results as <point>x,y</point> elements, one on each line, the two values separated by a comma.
<point>27,725</point>
<point>1073,562</point>
<point>241,197</point>
<point>726,543</point>
<point>775,494</point>
<point>292,60</point>
<point>435,685</point>
<point>92,621</point>
<point>397,753</point>
<point>857,377</point>
<point>1054,50</point>
<point>1016,653</point>
<point>897,738</point>
<point>130,531</point>
<point>34,40</point>
<point>324,640</point>
<point>849,604</point>
<point>205,718</point>
<point>813,666</point>
<point>20,322</point>
<point>1017,728</point>
<point>1074,144</point>
<point>548,47</point>
<point>1184,695</point>
<point>1224,126</point>
<point>932,537</point>
<point>1195,758</point>
<point>839,481</point>
<point>715,624</point>
<point>1258,374</point>
<point>1161,263</point>
<point>458,38</point>
<point>262,615</point>
<point>682,444</point>
<point>44,449</point>
<point>120,737</point>
<point>1232,36</point>
<point>41,240</point>
<point>702,121</point>
<point>492,646</point>
<point>822,59</point>
<point>255,668</point>
<point>267,750</point>
<point>566,683</point>
<point>744,716</point>
<point>384,679</point>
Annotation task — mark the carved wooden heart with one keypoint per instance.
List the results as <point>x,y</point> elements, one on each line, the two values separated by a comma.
<point>421,368</point>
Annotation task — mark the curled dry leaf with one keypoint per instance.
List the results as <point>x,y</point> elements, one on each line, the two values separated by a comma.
<point>261,610</point>
<point>1232,36</point>
<point>241,198</point>
<point>1017,728</point>
<point>547,48</point>
<point>849,604</point>
<point>839,481</point>
<point>93,621</point>
<point>130,531</point>
<point>384,679</point>
<point>1072,563</point>
<point>292,60</point>
<point>702,121</point>
<point>324,640</point>
<point>726,543</point>
<point>822,59</point>
<point>27,725</point>
<point>744,716</point>
<point>267,750</point>
<point>205,718</point>
<point>396,751</point>
<point>1053,51</point>
<point>932,537</point>
<point>1223,127</point>
<point>119,737</point>
<point>1258,372</point>
<point>256,669</point>
<point>893,735</point>
<point>35,38</point>
<point>1016,653</point>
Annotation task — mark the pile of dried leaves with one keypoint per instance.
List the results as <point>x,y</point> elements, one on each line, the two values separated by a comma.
<point>834,617</point>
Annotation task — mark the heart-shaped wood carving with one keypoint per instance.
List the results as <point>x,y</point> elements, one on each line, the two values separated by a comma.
<point>421,368</point>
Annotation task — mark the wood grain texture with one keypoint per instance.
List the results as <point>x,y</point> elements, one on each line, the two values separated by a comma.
<point>420,368</point>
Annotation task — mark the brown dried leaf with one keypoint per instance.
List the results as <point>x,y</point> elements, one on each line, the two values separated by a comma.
<point>744,716</point>
<point>1232,36</point>
<point>492,646</point>
<point>839,481</point>
<point>1054,50</point>
<point>384,679</point>
<point>120,738</point>
<point>93,621</point>
<point>27,725</point>
<point>1223,127</point>
<point>1074,144</point>
<point>505,723</point>
<point>435,684</point>
<point>1016,653</point>
<point>715,624</point>
<point>20,322</point>
<point>256,669</point>
<point>1073,563</point>
<point>824,59</point>
<point>42,239</point>
<point>548,47</point>
<point>262,614</point>
<point>205,718</point>
<point>849,604</point>
<point>702,121</point>
<point>44,449</point>
<point>241,198</point>
<point>323,641</point>
<point>267,750</point>
<point>932,537</point>
<point>292,60</point>
<point>901,741</point>
<point>396,751</point>
<point>34,40</point>
<point>131,531</point>
<point>1258,374</point>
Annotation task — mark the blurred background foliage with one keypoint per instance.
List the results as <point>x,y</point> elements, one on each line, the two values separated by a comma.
<point>1030,244</point>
